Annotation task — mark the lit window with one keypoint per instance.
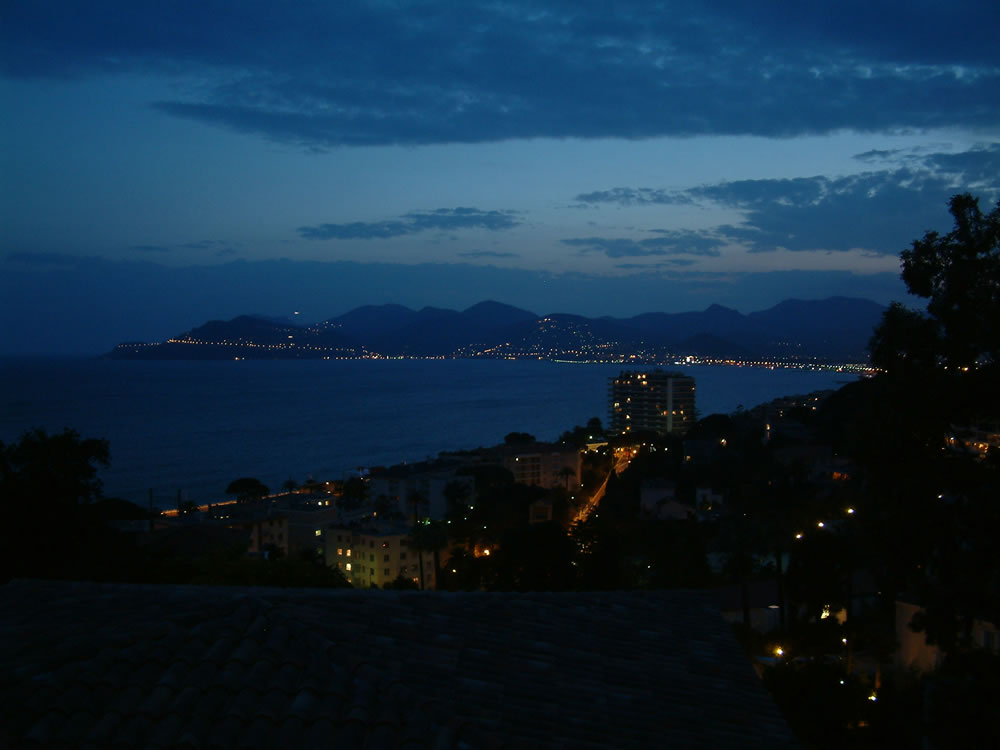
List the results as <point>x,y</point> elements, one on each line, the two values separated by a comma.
<point>348,552</point>
<point>348,566</point>
<point>319,532</point>
<point>340,551</point>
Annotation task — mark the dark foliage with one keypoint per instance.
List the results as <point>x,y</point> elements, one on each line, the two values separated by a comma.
<point>247,489</point>
<point>45,483</point>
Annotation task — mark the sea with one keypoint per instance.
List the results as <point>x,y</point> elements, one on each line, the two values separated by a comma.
<point>184,430</point>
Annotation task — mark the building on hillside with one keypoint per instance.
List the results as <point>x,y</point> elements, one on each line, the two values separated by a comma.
<point>307,528</point>
<point>374,556</point>
<point>268,535</point>
<point>658,501</point>
<point>660,401</point>
<point>915,653</point>
<point>418,490</point>
<point>543,464</point>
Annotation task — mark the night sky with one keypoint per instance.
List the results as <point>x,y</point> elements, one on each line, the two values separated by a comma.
<point>162,164</point>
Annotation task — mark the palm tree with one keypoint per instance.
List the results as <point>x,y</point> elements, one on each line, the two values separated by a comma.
<point>430,536</point>
<point>418,501</point>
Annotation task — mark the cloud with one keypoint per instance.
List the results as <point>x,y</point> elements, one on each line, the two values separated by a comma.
<point>488,254</point>
<point>978,167</point>
<point>624,196</point>
<point>356,230</point>
<point>221,248</point>
<point>441,219</point>
<point>656,266</point>
<point>685,241</point>
<point>613,247</point>
<point>878,155</point>
<point>879,211</point>
<point>206,245</point>
<point>873,211</point>
<point>668,242</point>
<point>409,72</point>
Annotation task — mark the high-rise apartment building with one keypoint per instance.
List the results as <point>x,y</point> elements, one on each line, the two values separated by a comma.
<point>658,400</point>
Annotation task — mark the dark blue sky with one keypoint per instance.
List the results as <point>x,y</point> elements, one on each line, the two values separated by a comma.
<point>160,159</point>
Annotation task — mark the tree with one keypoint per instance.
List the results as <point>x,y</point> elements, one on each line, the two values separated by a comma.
<point>959,335</point>
<point>45,480</point>
<point>937,506</point>
<point>419,503</point>
<point>431,536</point>
<point>247,489</point>
<point>60,469</point>
<point>354,494</point>
<point>518,438</point>
<point>457,495</point>
<point>401,583</point>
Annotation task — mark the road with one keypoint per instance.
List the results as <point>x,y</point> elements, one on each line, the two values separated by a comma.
<point>584,513</point>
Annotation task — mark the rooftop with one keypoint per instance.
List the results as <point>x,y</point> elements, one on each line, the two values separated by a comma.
<point>106,665</point>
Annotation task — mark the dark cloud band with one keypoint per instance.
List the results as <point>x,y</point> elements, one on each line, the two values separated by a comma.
<point>354,72</point>
<point>668,242</point>
<point>441,219</point>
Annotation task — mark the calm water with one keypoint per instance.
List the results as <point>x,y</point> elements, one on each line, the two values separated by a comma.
<point>195,426</point>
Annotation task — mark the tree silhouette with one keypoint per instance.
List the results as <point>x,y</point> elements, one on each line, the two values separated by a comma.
<point>431,536</point>
<point>45,482</point>
<point>247,489</point>
<point>957,341</point>
<point>935,508</point>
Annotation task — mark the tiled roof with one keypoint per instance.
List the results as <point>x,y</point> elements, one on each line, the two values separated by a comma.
<point>112,665</point>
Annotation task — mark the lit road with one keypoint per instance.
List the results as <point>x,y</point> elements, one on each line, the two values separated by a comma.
<point>584,513</point>
<point>173,512</point>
